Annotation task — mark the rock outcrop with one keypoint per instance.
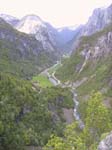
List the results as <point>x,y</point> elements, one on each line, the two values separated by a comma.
<point>100,18</point>
<point>23,53</point>
<point>106,143</point>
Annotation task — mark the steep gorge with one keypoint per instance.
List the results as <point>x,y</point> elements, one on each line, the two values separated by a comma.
<point>91,61</point>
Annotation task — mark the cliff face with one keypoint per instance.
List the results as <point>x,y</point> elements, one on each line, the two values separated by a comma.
<point>90,64</point>
<point>21,53</point>
<point>106,143</point>
<point>100,18</point>
<point>44,32</point>
<point>98,45</point>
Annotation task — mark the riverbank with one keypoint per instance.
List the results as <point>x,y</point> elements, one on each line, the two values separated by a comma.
<point>53,79</point>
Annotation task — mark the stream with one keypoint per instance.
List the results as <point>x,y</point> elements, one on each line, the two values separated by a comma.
<point>76,114</point>
<point>56,82</point>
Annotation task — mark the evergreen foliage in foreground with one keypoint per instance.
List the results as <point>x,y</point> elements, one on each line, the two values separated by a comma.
<point>25,118</point>
<point>97,122</point>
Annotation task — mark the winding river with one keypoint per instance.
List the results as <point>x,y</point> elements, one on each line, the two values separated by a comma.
<point>56,82</point>
<point>76,114</point>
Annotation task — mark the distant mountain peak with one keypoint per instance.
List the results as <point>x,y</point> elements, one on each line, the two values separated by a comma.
<point>29,24</point>
<point>68,28</point>
<point>100,18</point>
<point>32,17</point>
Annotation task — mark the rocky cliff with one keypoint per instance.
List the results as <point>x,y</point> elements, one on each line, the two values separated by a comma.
<point>106,143</point>
<point>21,53</point>
<point>100,18</point>
<point>89,67</point>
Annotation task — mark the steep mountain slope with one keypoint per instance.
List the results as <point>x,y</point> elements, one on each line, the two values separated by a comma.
<point>69,36</point>
<point>29,24</point>
<point>50,37</point>
<point>89,68</point>
<point>70,45</point>
<point>9,19</point>
<point>67,33</point>
<point>44,32</point>
<point>106,143</point>
<point>100,18</point>
<point>21,53</point>
<point>32,24</point>
<point>65,39</point>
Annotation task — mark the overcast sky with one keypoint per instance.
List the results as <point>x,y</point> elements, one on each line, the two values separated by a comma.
<point>57,12</point>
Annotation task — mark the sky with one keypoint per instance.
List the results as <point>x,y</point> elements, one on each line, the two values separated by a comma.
<point>57,12</point>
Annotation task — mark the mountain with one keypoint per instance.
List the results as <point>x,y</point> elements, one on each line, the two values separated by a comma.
<point>50,37</point>
<point>89,67</point>
<point>9,19</point>
<point>64,39</point>
<point>88,71</point>
<point>21,53</point>
<point>67,33</point>
<point>34,25</point>
<point>43,31</point>
<point>70,45</point>
<point>29,24</point>
<point>25,107</point>
<point>34,116</point>
<point>68,36</point>
<point>100,18</point>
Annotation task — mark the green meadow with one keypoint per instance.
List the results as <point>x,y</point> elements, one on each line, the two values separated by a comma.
<point>42,80</point>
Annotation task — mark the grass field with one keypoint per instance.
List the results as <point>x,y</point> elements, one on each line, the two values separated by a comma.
<point>42,80</point>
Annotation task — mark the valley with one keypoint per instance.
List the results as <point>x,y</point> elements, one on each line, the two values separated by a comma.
<point>56,83</point>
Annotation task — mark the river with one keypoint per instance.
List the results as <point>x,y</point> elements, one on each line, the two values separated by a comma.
<point>57,82</point>
<point>76,114</point>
